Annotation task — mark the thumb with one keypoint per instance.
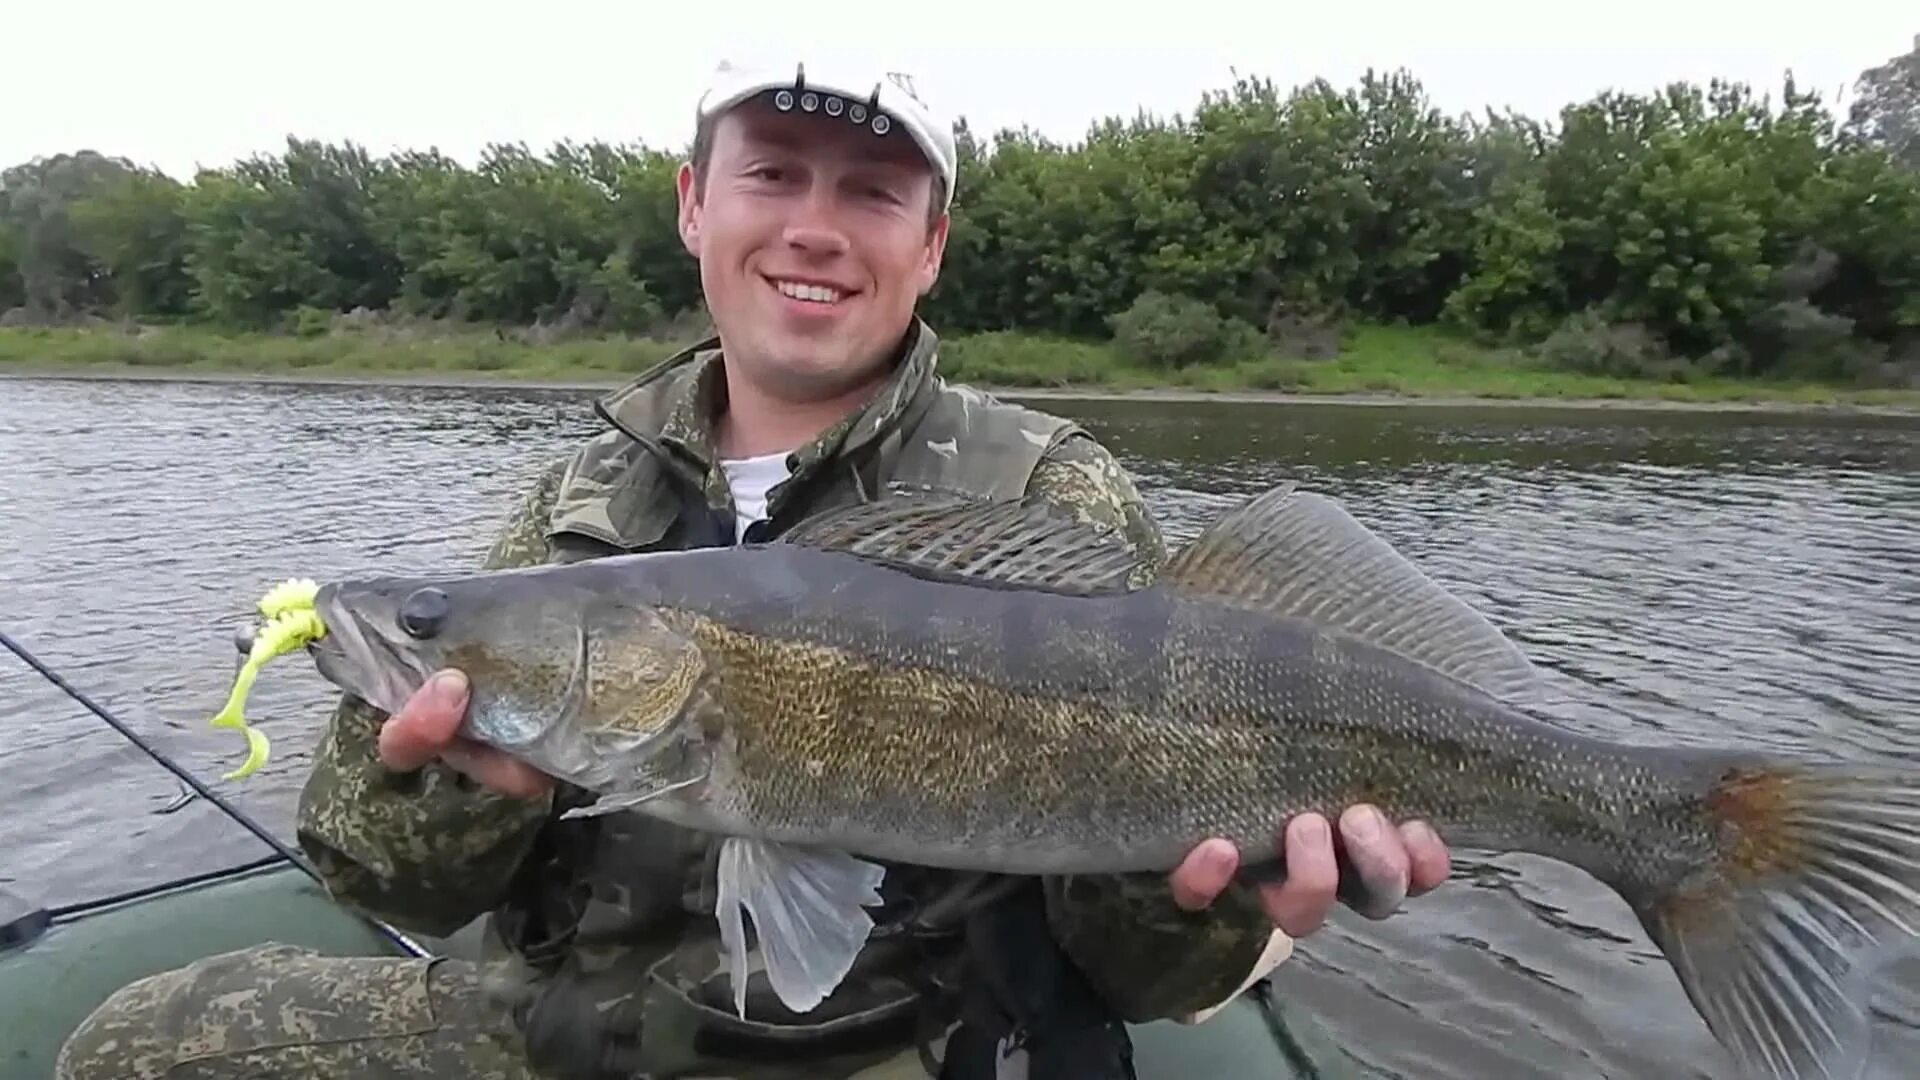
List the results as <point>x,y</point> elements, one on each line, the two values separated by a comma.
<point>426,724</point>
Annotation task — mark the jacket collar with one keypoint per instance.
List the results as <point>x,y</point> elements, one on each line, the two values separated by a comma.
<point>672,408</point>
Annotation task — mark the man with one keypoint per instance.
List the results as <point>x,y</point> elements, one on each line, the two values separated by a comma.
<point>816,204</point>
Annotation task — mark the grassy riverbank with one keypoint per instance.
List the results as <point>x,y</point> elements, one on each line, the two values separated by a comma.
<point>1377,361</point>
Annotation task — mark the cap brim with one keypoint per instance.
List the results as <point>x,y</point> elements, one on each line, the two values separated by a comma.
<point>855,105</point>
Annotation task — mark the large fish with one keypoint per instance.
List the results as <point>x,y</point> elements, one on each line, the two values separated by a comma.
<point>988,687</point>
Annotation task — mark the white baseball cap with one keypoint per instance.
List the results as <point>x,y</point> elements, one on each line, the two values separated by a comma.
<point>874,99</point>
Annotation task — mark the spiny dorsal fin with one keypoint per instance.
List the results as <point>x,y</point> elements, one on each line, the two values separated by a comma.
<point>1024,543</point>
<point>1301,555</point>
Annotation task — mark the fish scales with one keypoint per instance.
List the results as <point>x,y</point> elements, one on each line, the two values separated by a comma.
<point>1047,733</point>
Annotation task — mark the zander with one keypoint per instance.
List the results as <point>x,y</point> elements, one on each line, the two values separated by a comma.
<point>989,687</point>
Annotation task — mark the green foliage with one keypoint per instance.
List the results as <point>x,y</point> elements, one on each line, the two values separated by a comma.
<point>1796,339</point>
<point>1417,220</point>
<point>13,291</point>
<point>1010,358</point>
<point>273,234</point>
<point>306,321</point>
<point>1279,175</point>
<point>1514,289</point>
<point>133,228</point>
<point>57,278</point>
<point>1686,244</point>
<point>1163,330</point>
<point>1678,233</point>
<point>1887,112</point>
<point>1865,209</point>
<point>1587,343</point>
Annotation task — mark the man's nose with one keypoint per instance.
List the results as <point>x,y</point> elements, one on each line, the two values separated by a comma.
<point>815,226</point>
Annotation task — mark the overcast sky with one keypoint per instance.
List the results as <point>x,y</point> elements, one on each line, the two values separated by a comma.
<point>204,82</point>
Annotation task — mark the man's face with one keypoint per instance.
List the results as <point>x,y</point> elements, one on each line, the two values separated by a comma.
<point>814,246</point>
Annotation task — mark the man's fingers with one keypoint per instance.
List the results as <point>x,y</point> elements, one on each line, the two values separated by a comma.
<point>1201,876</point>
<point>1378,862</point>
<point>425,725</point>
<point>426,729</point>
<point>1430,861</point>
<point>1300,904</point>
<point>496,771</point>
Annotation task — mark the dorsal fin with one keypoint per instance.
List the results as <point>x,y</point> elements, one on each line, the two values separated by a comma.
<point>1300,555</point>
<point>1020,543</point>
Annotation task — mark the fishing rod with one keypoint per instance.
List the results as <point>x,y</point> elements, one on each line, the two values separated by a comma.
<point>281,849</point>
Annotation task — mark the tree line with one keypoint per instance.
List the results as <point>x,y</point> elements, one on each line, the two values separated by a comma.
<point>1704,226</point>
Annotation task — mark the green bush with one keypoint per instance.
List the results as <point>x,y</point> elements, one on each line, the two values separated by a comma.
<point>1165,330</point>
<point>1305,331</point>
<point>1797,339</point>
<point>307,321</point>
<point>1590,344</point>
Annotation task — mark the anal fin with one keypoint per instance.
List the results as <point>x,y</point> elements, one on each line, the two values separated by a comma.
<point>809,914</point>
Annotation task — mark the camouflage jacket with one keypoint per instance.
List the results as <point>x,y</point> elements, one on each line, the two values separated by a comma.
<point>608,919</point>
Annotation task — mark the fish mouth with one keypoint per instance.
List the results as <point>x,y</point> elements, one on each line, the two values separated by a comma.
<point>362,661</point>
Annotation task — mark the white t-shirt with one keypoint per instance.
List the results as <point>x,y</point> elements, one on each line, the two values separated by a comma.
<point>750,479</point>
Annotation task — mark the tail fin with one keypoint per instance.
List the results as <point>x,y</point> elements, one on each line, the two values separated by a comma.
<point>1816,886</point>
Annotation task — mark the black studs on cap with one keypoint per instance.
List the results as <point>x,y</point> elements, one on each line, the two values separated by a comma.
<point>424,612</point>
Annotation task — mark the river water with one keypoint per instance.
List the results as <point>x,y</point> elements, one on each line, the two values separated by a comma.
<point>1681,577</point>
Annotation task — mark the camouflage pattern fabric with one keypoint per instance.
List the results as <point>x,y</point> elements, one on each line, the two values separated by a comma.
<point>282,1011</point>
<point>603,948</point>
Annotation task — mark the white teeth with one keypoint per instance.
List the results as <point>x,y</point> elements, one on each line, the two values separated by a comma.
<point>819,294</point>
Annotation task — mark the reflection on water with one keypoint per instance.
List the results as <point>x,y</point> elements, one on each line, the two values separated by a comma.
<point>1681,577</point>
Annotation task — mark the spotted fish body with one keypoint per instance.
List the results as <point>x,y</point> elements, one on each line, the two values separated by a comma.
<point>986,688</point>
<point>1022,731</point>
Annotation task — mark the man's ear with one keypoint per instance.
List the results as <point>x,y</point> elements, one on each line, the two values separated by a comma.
<point>936,253</point>
<point>686,187</point>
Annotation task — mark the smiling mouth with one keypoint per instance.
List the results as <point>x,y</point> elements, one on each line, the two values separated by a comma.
<point>808,293</point>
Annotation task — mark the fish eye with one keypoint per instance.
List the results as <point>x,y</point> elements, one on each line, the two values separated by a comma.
<point>424,612</point>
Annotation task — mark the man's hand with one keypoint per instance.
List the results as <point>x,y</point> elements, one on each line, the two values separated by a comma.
<point>423,730</point>
<point>1390,863</point>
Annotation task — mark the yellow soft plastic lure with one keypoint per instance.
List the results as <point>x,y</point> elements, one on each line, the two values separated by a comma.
<point>291,623</point>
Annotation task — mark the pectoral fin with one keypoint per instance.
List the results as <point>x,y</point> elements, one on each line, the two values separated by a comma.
<point>667,763</point>
<point>808,909</point>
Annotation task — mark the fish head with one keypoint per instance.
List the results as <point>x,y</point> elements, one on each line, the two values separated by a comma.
<point>563,672</point>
